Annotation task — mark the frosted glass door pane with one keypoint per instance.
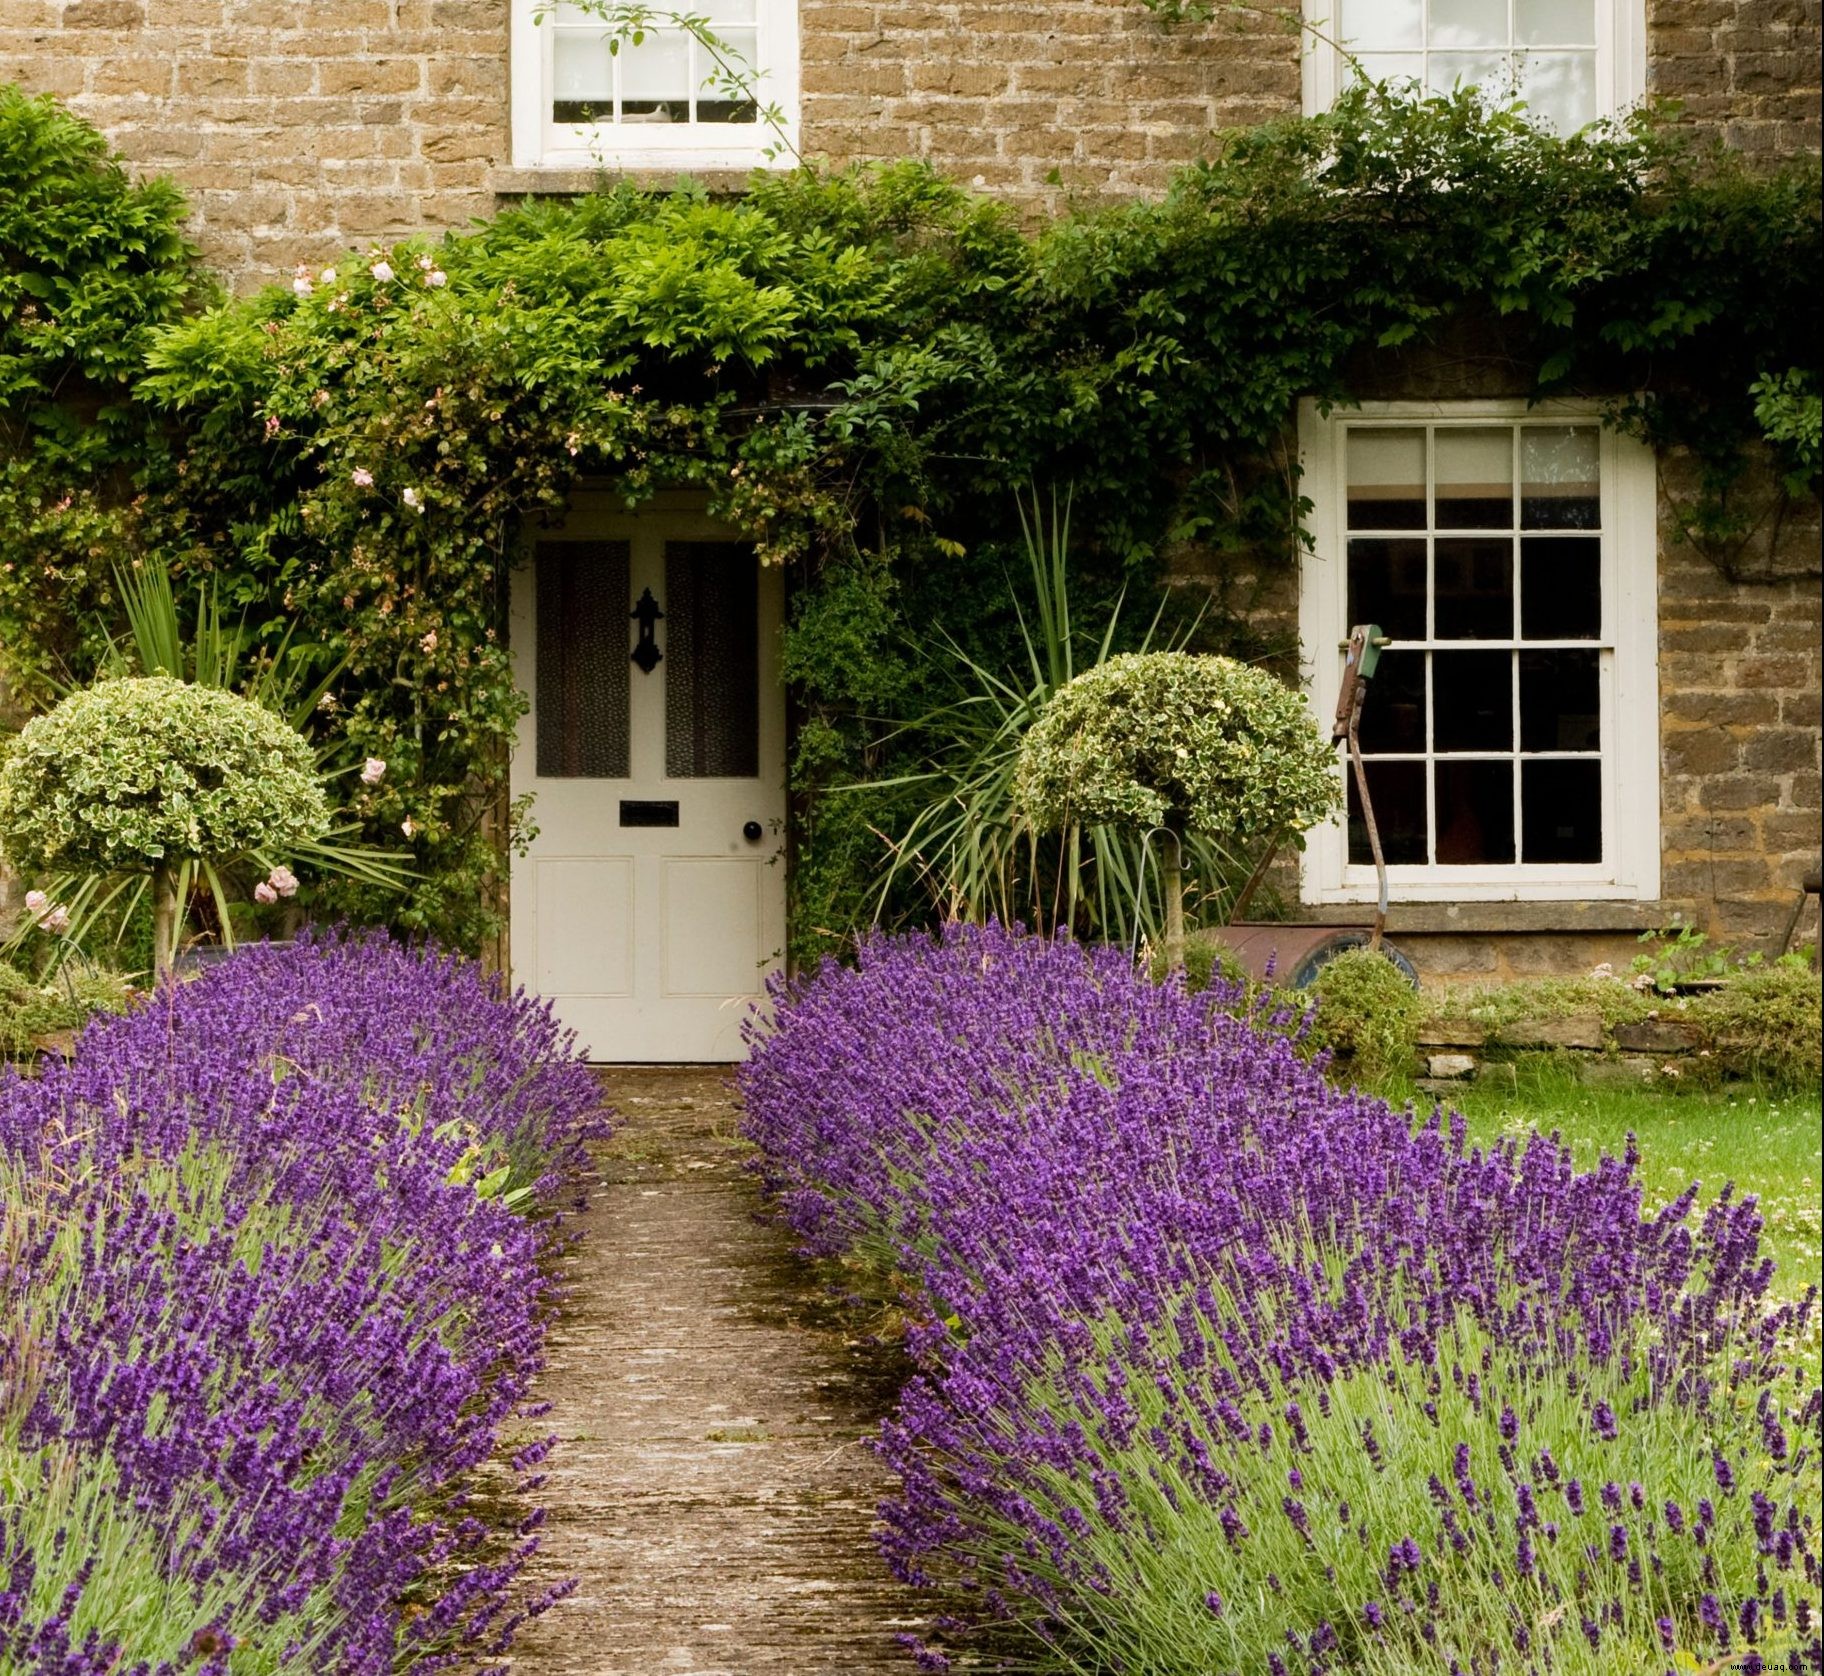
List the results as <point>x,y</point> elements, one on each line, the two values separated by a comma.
<point>712,660</point>
<point>580,665</point>
<point>1468,23</point>
<point>1555,23</point>
<point>1383,23</point>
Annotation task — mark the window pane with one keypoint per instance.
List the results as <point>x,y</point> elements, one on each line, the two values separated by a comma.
<point>1393,713</point>
<point>1472,701</point>
<point>580,664</point>
<point>712,660</point>
<point>724,94</point>
<point>1386,479</point>
<point>1475,812</point>
<point>1398,793</point>
<point>1555,23</point>
<point>1490,71</point>
<point>655,77</point>
<point>1475,589</point>
<point>1562,804</point>
<point>1560,701</point>
<point>1560,88</point>
<point>1383,23</point>
<point>1387,586</point>
<point>720,12</point>
<point>1392,66</point>
<point>1475,479</point>
<point>582,88</point>
<point>1561,587</point>
<point>1468,23</point>
<point>1560,478</point>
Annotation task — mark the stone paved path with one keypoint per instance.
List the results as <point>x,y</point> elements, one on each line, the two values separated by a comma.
<point>709,1487</point>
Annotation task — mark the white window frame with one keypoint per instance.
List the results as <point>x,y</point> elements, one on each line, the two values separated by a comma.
<point>538,142</point>
<point>1629,870</point>
<point>1621,55</point>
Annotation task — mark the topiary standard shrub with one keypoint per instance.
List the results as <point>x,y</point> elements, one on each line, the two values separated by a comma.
<point>147,773</point>
<point>1183,742</point>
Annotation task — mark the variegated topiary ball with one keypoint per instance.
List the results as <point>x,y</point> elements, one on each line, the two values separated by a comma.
<point>131,774</point>
<point>1175,739</point>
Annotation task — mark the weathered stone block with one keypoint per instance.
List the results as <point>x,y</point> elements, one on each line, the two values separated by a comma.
<point>1582,1030</point>
<point>1626,1072</point>
<point>1451,1033</point>
<point>1450,1066</point>
<point>1655,1035</point>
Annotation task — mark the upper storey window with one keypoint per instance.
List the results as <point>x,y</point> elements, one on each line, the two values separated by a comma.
<point>587,93</point>
<point>1572,61</point>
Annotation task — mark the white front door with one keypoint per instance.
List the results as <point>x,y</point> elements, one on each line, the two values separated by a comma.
<point>650,907</point>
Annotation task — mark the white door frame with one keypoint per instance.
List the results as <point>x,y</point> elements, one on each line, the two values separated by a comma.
<point>638,951</point>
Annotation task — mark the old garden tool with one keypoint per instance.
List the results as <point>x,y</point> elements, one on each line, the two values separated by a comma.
<point>1296,952</point>
<point>1365,643</point>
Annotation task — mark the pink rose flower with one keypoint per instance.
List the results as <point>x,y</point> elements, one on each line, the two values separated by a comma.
<point>373,771</point>
<point>283,880</point>
<point>265,894</point>
<point>362,477</point>
<point>36,901</point>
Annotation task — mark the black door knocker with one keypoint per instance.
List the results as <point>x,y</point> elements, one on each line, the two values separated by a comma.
<point>646,613</point>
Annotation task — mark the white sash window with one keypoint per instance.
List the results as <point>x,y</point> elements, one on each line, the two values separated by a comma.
<point>1510,732</point>
<point>583,97</point>
<point>1572,61</point>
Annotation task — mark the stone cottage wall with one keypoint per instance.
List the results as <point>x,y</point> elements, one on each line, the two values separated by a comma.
<point>303,127</point>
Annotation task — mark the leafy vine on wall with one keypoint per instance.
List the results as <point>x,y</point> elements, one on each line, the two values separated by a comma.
<point>858,368</point>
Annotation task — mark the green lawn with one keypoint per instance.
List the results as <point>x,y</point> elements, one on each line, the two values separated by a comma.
<point>1767,1144</point>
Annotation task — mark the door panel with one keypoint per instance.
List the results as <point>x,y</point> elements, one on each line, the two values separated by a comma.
<point>585,915</point>
<point>713,927</point>
<point>654,742</point>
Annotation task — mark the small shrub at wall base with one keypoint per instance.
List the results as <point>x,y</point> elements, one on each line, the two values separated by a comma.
<point>1367,1015</point>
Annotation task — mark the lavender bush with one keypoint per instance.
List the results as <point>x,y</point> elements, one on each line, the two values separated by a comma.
<point>270,1296</point>
<point>1223,1369</point>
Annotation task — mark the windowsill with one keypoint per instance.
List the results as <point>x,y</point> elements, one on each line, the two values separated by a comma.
<point>565,180</point>
<point>1489,918</point>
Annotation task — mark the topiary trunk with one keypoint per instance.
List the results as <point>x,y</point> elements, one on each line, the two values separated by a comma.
<point>164,918</point>
<point>1174,902</point>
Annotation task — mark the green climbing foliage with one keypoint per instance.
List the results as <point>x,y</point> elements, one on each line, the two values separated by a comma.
<point>858,369</point>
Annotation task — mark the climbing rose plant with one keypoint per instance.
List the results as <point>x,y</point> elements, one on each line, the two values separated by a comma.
<point>1198,744</point>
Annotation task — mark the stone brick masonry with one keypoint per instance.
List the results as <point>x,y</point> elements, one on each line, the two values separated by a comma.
<point>302,127</point>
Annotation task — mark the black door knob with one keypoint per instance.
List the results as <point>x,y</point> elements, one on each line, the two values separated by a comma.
<point>752,832</point>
